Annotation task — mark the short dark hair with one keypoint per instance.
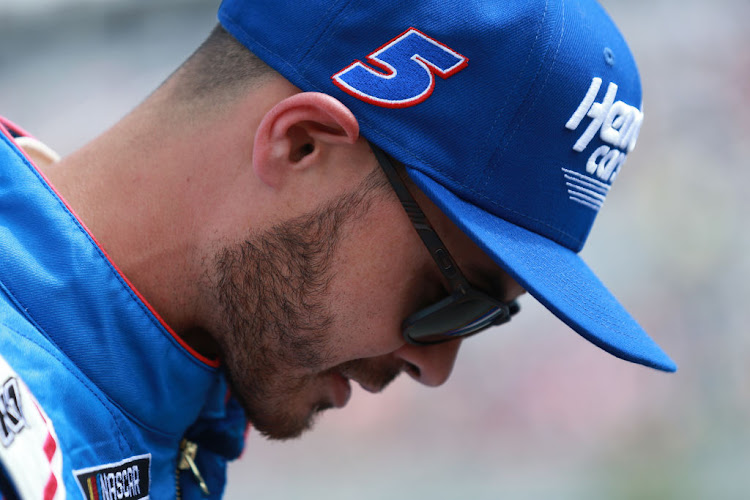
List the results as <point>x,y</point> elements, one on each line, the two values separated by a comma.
<point>220,69</point>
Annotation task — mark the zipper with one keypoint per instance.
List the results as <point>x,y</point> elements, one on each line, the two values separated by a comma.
<point>188,451</point>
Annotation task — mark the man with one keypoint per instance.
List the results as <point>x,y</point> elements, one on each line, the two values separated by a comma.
<point>242,246</point>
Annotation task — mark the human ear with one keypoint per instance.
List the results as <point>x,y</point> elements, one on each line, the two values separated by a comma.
<point>297,131</point>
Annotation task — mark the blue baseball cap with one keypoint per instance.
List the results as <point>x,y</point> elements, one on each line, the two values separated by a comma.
<point>518,142</point>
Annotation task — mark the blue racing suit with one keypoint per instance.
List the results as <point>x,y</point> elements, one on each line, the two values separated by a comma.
<point>99,398</point>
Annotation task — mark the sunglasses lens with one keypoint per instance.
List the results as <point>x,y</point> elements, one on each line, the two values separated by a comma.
<point>451,318</point>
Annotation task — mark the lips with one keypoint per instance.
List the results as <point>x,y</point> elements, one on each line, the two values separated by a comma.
<point>342,390</point>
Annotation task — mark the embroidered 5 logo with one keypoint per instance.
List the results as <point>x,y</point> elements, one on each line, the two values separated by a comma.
<point>409,62</point>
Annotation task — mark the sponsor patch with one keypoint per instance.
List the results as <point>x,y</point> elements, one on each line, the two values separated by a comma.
<point>617,125</point>
<point>129,479</point>
<point>12,420</point>
<point>29,449</point>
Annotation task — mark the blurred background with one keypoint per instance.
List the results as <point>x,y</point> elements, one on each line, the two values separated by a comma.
<point>532,411</point>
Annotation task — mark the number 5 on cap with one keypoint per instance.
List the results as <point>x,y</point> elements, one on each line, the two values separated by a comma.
<point>408,63</point>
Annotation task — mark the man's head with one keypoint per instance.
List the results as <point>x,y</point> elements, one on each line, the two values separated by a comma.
<point>287,251</point>
<point>518,142</point>
<point>306,286</point>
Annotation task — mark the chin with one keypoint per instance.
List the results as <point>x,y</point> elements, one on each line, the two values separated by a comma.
<point>287,425</point>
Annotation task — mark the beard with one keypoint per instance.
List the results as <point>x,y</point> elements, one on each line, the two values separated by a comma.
<point>273,289</point>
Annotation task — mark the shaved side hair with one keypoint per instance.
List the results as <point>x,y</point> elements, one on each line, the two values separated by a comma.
<point>220,70</point>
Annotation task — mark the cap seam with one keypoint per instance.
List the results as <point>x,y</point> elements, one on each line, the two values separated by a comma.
<point>281,60</point>
<point>491,129</point>
<point>332,19</point>
<point>522,119</point>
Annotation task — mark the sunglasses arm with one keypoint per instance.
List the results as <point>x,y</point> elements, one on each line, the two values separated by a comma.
<point>423,227</point>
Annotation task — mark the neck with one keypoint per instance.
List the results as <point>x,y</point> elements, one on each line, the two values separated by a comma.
<point>163,190</point>
<point>136,188</point>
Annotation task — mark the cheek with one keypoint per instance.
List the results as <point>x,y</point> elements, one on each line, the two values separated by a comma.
<point>377,281</point>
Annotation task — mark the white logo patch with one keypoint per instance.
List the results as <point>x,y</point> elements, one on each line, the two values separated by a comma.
<point>618,125</point>
<point>12,420</point>
<point>29,451</point>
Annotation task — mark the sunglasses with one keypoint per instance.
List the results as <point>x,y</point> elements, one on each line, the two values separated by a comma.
<point>466,310</point>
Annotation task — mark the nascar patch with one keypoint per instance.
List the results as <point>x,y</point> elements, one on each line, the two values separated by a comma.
<point>129,478</point>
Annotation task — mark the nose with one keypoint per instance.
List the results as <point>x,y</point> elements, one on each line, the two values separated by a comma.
<point>430,365</point>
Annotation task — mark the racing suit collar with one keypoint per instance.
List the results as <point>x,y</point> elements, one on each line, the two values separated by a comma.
<point>63,282</point>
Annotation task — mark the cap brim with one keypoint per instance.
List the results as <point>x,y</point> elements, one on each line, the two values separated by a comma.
<point>556,276</point>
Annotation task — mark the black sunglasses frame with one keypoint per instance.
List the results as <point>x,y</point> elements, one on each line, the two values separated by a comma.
<point>460,289</point>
